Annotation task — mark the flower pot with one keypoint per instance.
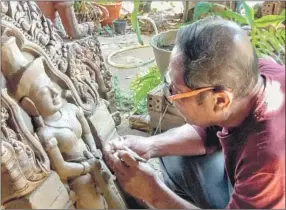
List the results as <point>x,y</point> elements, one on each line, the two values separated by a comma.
<point>162,45</point>
<point>113,10</point>
<point>119,26</point>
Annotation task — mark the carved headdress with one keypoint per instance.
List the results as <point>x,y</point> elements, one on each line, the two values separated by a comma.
<point>23,76</point>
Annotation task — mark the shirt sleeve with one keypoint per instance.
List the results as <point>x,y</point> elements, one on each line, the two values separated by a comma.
<point>260,183</point>
<point>209,136</point>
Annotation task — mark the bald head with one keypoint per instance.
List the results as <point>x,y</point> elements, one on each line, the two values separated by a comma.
<point>216,52</point>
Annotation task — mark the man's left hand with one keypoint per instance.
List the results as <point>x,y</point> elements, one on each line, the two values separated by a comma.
<point>136,178</point>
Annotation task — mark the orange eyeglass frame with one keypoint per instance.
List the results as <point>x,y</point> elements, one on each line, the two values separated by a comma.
<point>192,93</point>
<point>188,94</point>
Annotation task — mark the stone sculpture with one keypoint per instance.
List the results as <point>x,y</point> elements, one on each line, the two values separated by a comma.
<point>62,129</point>
<point>27,17</point>
<point>25,167</point>
<point>34,42</point>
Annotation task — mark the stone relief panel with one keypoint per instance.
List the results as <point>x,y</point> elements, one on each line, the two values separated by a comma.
<point>86,77</point>
<point>62,128</point>
<point>62,92</point>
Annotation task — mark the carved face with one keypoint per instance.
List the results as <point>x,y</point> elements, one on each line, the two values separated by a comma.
<point>46,97</point>
<point>4,115</point>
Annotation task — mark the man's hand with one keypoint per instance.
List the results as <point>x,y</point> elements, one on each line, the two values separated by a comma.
<point>140,145</point>
<point>135,177</point>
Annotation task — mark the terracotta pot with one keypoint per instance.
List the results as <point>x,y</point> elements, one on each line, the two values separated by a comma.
<point>113,10</point>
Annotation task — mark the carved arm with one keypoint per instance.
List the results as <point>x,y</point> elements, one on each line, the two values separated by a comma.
<point>95,72</point>
<point>63,168</point>
<point>87,136</point>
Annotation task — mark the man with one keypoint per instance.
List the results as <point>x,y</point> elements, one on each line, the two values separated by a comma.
<point>230,100</point>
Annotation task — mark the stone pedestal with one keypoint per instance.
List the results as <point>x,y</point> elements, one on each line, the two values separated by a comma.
<point>52,194</point>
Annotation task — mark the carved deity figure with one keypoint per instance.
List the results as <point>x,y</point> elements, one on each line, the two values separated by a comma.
<point>62,129</point>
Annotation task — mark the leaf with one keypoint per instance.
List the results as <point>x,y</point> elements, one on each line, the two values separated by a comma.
<point>253,35</point>
<point>135,22</point>
<point>267,20</point>
<point>142,84</point>
<point>201,8</point>
<point>76,6</point>
<point>281,33</point>
<point>268,37</point>
<point>249,12</point>
<point>283,13</point>
<point>258,52</point>
<point>228,14</point>
<point>280,38</point>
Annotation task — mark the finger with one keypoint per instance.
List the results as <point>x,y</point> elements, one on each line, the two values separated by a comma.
<point>127,158</point>
<point>108,148</point>
<point>118,145</point>
<point>135,155</point>
<point>119,166</point>
<point>109,161</point>
<point>121,177</point>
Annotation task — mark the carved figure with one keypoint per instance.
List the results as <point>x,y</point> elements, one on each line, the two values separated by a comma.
<point>21,171</point>
<point>85,55</point>
<point>62,129</point>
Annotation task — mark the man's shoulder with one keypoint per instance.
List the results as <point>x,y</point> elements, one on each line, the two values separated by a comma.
<point>268,67</point>
<point>272,104</point>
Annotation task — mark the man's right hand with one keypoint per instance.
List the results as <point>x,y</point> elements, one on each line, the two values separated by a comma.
<point>140,145</point>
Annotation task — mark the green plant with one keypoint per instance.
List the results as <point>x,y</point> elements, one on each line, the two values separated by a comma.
<point>266,36</point>
<point>135,22</point>
<point>85,11</point>
<point>141,85</point>
<point>133,18</point>
<point>123,99</point>
<point>82,6</point>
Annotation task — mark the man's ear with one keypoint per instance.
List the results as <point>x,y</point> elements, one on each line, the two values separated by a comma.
<point>222,100</point>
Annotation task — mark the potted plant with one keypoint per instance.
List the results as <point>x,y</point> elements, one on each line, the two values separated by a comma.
<point>86,11</point>
<point>267,34</point>
<point>162,45</point>
<point>113,7</point>
<point>120,25</point>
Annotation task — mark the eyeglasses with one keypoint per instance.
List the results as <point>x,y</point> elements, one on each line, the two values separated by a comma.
<point>171,97</point>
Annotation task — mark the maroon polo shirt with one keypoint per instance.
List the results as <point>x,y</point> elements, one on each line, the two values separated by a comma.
<point>255,151</point>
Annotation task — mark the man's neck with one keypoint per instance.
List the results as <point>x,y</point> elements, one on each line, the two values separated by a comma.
<point>243,107</point>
